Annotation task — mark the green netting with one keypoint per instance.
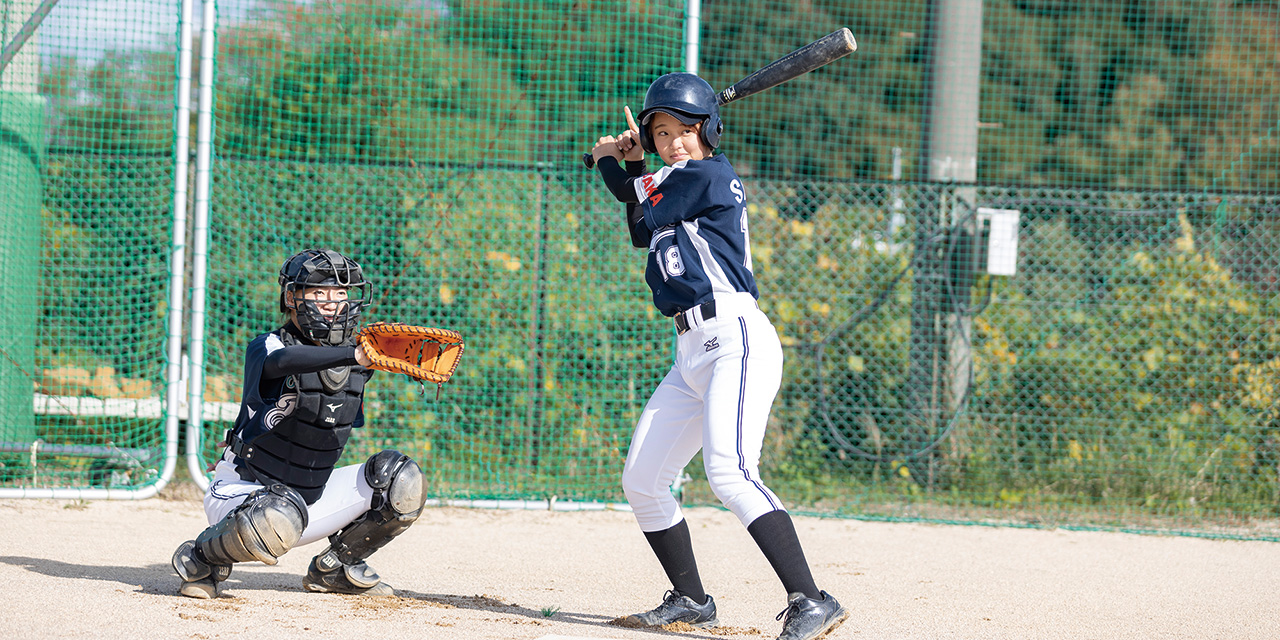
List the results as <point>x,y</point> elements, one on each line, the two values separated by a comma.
<point>86,269</point>
<point>1125,376</point>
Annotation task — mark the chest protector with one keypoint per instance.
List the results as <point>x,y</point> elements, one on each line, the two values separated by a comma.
<point>303,449</point>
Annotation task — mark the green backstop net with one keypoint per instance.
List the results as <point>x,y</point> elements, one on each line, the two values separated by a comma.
<point>1125,374</point>
<point>87,141</point>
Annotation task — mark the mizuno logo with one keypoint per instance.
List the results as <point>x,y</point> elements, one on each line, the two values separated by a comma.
<point>334,407</point>
<point>712,344</point>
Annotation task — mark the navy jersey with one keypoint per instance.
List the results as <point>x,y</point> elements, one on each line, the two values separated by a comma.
<point>266,401</point>
<point>700,246</point>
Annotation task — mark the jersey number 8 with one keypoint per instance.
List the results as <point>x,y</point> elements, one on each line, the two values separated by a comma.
<point>671,263</point>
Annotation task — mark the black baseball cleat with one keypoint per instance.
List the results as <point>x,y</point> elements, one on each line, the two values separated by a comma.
<point>327,574</point>
<point>807,619</point>
<point>677,607</point>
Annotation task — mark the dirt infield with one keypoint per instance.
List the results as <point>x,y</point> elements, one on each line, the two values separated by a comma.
<point>101,570</point>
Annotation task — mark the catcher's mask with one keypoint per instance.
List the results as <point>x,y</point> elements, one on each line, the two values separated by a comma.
<point>329,321</point>
<point>688,99</point>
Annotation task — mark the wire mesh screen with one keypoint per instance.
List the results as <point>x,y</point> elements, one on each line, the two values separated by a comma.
<point>1085,336</point>
<point>88,105</point>
<point>437,145</point>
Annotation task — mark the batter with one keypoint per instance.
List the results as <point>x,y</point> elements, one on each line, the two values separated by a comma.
<point>691,216</point>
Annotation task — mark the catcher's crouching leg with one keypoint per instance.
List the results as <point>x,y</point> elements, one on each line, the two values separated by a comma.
<point>399,493</point>
<point>268,523</point>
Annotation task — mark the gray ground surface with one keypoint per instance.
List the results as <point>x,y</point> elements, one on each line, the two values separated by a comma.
<point>73,569</point>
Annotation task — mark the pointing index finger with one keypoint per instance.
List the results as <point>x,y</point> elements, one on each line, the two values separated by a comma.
<point>631,121</point>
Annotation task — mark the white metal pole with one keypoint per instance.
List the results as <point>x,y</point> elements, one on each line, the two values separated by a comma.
<point>692,27</point>
<point>200,247</point>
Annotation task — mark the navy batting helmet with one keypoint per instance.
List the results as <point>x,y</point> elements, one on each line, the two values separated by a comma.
<point>324,268</point>
<point>688,99</point>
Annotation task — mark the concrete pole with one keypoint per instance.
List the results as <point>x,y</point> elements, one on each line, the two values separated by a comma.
<point>949,158</point>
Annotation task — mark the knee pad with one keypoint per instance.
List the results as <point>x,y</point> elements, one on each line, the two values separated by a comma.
<point>399,492</point>
<point>397,481</point>
<point>267,524</point>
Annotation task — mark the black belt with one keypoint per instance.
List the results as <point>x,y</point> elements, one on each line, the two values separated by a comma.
<point>707,309</point>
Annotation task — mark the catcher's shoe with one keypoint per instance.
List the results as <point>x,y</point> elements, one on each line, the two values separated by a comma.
<point>328,575</point>
<point>807,618</point>
<point>199,578</point>
<point>677,607</point>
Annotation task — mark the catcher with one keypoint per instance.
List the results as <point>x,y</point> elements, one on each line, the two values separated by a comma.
<point>276,486</point>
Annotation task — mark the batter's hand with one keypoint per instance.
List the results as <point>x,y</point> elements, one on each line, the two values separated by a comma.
<point>629,141</point>
<point>606,147</point>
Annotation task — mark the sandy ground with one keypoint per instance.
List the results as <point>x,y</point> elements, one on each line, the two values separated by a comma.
<point>101,570</point>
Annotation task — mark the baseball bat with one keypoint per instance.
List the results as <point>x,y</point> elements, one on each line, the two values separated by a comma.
<point>822,51</point>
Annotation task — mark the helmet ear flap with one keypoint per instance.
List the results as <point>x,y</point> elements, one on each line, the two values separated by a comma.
<point>646,140</point>
<point>712,129</point>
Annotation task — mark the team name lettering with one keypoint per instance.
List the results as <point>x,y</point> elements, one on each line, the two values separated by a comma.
<point>647,184</point>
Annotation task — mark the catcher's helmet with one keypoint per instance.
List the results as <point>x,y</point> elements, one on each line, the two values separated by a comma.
<point>689,99</point>
<point>324,268</point>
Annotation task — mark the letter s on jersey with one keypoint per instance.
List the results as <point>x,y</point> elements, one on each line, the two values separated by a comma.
<point>736,188</point>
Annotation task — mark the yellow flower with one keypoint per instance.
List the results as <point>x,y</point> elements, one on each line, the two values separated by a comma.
<point>1187,242</point>
<point>1075,451</point>
<point>801,228</point>
<point>446,294</point>
<point>787,312</point>
<point>763,254</point>
<point>509,263</point>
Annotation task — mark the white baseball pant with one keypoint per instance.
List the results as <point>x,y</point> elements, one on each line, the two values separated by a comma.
<point>346,496</point>
<point>716,397</point>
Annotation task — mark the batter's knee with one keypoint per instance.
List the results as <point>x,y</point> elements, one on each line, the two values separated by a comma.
<point>637,487</point>
<point>728,483</point>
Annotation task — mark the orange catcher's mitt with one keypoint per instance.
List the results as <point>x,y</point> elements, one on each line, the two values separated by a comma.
<point>422,353</point>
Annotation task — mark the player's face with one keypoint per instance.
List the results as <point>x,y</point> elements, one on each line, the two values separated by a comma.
<point>330,300</point>
<point>675,140</point>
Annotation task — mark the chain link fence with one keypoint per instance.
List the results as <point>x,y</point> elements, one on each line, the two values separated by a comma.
<point>1086,337</point>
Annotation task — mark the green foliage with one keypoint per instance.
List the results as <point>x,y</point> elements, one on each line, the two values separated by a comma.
<point>1157,388</point>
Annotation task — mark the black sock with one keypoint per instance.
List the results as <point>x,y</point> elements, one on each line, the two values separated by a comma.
<point>674,549</point>
<point>776,536</point>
